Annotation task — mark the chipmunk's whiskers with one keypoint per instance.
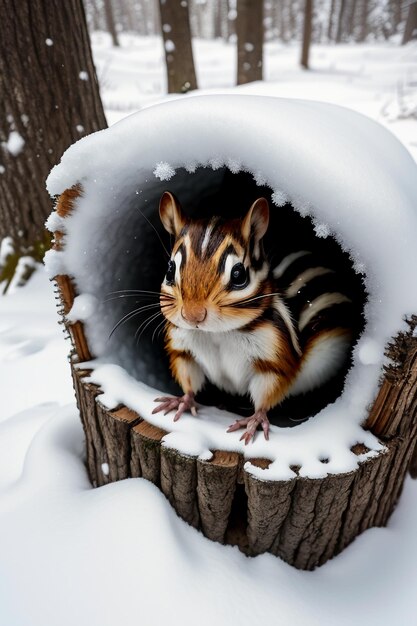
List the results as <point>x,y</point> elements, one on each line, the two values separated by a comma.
<point>158,329</point>
<point>144,325</point>
<point>133,292</point>
<point>135,312</point>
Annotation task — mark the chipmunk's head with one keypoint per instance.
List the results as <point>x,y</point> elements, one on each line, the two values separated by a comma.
<point>217,276</point>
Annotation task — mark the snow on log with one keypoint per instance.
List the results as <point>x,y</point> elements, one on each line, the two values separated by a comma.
<point>339,181</point>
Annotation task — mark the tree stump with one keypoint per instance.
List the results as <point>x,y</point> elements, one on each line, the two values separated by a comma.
<point>304,521</point>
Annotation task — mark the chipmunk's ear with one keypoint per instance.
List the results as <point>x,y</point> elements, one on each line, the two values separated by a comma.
<point>170,213</point>
<point>255,223</point>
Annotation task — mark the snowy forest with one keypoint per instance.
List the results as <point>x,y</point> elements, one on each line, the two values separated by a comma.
<point>214,200</point>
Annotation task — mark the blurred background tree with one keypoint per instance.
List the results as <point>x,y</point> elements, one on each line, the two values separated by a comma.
<point>49,99</point>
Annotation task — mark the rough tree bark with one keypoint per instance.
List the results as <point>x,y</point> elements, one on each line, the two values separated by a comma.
<point>250,37</point>
<point>49,99</point>
<point>308,19</point>
<point>111,26</point>
<point>176,33</point>
<point>410,31</point>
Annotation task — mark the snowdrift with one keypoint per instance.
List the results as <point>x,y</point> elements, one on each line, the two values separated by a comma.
<point>333,176</point>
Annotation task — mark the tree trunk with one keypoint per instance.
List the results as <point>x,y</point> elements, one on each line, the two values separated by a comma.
<point>49,99</point>
<point>410,31</point>
<point>351,21</point>
<point>330,23</point>
<point>111,26</point>
<point>363,31</point>
<point>308,19</point>
<point>340,22</point>
<point>176,33</point>
<point>250,36</point>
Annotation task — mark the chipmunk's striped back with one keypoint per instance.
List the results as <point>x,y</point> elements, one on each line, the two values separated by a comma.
<point>324,313</point>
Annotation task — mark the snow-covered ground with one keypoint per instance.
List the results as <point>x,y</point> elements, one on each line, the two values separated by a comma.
<point>71,555</point>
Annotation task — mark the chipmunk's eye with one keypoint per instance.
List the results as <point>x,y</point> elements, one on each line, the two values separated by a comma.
<point>239,276</point>
<point>170,275</point>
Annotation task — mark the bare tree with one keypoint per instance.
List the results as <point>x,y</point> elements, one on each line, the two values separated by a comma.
<point>250,37</point>
<point>364,14</point>
<point>331,19</point>
<point>351,18</point>
<point>410,31</point>
<point>308,20</point>
<point>340,21</point>
<point>49,99</point>
<point>111,26</point>
<point>176,32</point>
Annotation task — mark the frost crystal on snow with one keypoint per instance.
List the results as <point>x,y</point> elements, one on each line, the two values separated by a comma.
<point>259,179</point>
<point>169,45</point>
<point>83,75</point>
<point>164,171</point>
<point>15,143</point>
<point>359,267</point>
<point>279,198</point>
<point>301,205</point>
<point>234,165</point>
<point>322,230</point>
<point>216,163</point>
<point>191,167</point>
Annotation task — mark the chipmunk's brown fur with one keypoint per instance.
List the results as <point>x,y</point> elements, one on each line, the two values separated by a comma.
<point>228,321</point>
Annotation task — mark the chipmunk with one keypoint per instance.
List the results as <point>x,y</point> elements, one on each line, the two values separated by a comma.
<point>244,326</point>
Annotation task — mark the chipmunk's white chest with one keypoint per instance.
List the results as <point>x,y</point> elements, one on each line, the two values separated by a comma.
<point>226,358</point>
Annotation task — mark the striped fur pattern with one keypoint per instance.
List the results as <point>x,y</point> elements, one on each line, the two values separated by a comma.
<point>233,321</point>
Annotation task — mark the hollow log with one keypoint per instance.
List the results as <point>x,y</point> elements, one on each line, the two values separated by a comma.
<point>303,521</point>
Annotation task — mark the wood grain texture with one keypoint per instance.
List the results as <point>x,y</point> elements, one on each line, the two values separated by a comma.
<point>216,482</point>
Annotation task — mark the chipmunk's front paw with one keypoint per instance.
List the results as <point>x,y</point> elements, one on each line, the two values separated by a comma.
<point>181,404</point>
<point>258,418</point>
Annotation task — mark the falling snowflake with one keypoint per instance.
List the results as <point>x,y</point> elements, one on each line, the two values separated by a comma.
<point>164,171</point>
<point>169,45</point>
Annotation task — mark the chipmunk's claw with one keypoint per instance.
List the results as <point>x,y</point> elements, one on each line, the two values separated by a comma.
<point>181,404</point>
<point>258,418</point>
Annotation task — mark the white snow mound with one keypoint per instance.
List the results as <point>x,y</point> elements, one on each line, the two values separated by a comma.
<point>350,174</point>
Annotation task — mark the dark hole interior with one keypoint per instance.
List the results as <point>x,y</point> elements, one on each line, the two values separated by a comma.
<point>138,261</point>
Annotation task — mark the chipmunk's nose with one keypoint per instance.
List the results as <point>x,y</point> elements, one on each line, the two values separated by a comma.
<point>194,313</point>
